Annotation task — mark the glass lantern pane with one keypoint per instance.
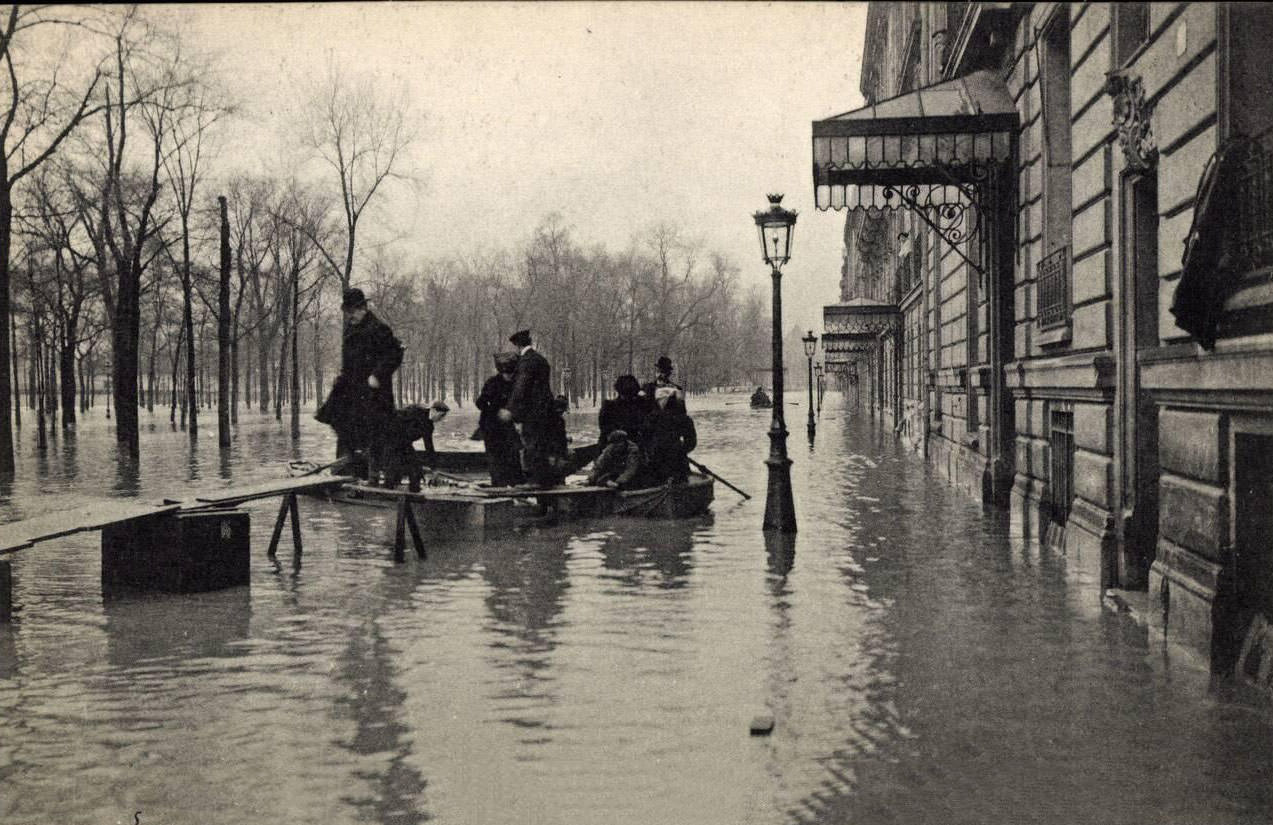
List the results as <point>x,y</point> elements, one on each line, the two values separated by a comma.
<point>775,243</point>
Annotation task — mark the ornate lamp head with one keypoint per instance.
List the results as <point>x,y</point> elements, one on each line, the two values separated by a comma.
<point>776,226</point>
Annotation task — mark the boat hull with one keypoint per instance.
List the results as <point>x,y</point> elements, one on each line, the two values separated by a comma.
<point>669,501</point>
<point>674,501</point>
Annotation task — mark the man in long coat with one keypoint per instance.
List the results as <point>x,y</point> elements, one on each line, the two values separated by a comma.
<point>531,404</point>
<point>503,446</point>
<point>361,404</point>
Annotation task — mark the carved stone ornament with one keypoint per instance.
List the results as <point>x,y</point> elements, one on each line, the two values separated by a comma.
<point>1132,117</point>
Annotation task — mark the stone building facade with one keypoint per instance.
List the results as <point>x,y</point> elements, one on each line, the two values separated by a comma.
<point>1053,349</point>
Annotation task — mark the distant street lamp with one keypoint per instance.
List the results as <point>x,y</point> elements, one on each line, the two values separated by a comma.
<point>810,342</point>
<point>817,373</point>
<point>776,226</point>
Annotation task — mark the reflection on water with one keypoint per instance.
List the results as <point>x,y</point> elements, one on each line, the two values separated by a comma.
<point>920,667</point>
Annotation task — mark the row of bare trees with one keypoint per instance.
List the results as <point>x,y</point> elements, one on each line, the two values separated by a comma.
<point>137,258</point>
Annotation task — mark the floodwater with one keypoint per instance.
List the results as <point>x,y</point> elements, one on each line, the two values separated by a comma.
<point>921,668</point>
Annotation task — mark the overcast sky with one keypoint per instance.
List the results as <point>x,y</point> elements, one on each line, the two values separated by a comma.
<point>615,115</point>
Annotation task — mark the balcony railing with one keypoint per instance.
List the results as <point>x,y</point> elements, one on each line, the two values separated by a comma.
<point>1251,212</point>
<point>1054,289</point>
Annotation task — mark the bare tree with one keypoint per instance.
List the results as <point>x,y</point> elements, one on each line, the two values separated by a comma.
<point>191,110</point>
<point>121,196</point>
<point>363,136</point>
<point>39,112</point>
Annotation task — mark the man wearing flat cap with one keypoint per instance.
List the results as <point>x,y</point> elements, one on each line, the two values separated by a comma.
<point>531,404</point>
<point>360,405</point>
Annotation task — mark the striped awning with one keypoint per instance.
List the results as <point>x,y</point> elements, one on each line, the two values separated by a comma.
<point>942,135</point>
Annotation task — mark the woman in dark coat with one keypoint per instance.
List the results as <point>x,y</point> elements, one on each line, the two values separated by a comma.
<point>503,446</point>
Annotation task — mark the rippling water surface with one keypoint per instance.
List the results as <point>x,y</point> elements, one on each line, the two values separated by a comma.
<point>921,667</point>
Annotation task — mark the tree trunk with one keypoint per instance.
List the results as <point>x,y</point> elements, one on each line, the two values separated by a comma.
<point>223,333</point>
<point>296,365</point>
<point>281,373</point>
<point>318,368</point>
<point>176,365</point>
<point>6,391</point>
<point>41,435</point>
<point>150,377</point>
<point>67,370</point>
<point>187,322</point>
<point>263,379</point>
<point>124,340</point>
<point>17,386</point>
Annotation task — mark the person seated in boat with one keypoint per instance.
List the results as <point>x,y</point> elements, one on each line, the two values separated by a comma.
<point>394,451</point>
<point>503,444</point>
<point>662,378</point>
<point>760,398</point>
<point>619,464</point>
<point>669,438</point>
<point>626,412</point>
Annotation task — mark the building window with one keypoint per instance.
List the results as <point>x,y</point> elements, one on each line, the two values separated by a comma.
<point>1054,289</point>
<point>1054,68</point>
<point>1062,461</point>
<point>1249,31</point>
<point>1131,30</point>
<point>909,80</point>
<point>1250,113</point>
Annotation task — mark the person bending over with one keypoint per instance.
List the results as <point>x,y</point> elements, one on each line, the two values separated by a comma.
<point>619,464</point>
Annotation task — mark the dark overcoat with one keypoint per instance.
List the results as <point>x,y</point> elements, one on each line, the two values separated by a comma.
<point>627,414</point>
<point>493,397</point>
<point>531,400</point>
<point>354,408</point>
<point>670,437</point>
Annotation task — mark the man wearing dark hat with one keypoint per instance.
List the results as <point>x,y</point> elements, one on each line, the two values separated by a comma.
<point>503,445</point>
<point>663,379</point>
<point>531,404</point>
<point>360,405</point>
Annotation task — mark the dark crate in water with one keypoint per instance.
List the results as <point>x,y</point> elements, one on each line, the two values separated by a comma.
<point>177,553</point>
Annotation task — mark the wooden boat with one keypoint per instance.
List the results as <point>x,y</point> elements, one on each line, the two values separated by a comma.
<point>669,500</point>
<point>762,402</point>
<point>663,501</point>
<point>574,500</point>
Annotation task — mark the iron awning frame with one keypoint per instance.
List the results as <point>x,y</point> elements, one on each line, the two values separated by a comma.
<point>910,161</point>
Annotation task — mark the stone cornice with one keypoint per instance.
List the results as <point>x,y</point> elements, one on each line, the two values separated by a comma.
<point>1083,370</point>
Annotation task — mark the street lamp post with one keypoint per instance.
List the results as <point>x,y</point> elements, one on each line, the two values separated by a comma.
<point>817,374</point>
<point>810,342</point>
<point>776,226</point>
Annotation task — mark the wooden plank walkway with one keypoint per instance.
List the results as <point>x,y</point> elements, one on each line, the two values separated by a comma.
<point>283,487</point>
<point>92,515</point>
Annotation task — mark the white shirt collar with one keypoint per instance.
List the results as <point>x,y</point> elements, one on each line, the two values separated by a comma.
<point>527,347</point>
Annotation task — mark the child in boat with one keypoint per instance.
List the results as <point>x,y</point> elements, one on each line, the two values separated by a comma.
<point>619,464</point>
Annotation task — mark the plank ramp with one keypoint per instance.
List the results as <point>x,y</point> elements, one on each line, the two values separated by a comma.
<point>91,515</point>
<point>270,489</point>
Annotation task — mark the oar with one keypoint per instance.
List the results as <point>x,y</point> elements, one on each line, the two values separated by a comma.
<point>703,469</point>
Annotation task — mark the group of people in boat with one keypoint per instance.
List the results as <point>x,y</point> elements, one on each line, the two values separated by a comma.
<point>646,432</point>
